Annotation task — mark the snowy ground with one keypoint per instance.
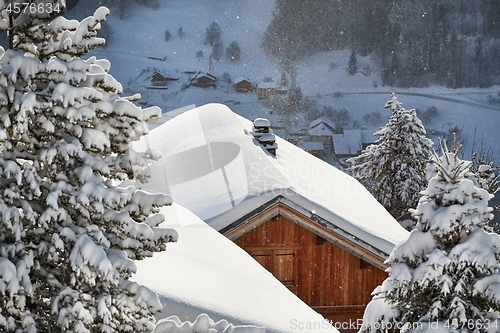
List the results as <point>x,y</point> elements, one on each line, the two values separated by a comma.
<point>319,77</point>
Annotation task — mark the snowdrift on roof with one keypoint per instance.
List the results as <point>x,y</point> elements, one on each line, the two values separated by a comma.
<point>213,166</point>
<point>204,272</point>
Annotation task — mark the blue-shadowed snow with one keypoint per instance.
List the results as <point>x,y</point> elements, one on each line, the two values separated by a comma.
<point>204,272</point>
<point>213,166</point>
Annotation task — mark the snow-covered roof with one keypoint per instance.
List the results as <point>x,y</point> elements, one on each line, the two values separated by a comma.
<point>171,114</point>
<point>240,79</point>
<point>204,272</point>
<point>267,85</point>
<point>213,166</point>
<point>320,130</point>
<point>160,73</point>
<point>206,75</point>
<point>311,145</point>
<point>367,136</point>
<point>347,143</point>
<point>210,75</point>
<point>322,120</point>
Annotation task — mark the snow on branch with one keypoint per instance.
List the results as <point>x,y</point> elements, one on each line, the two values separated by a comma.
<point>72,220</point>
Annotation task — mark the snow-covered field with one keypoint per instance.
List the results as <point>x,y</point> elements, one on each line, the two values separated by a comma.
<point>141,35</point>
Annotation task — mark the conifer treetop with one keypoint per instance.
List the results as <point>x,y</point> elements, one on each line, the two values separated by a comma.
<point>446,272</point>
<point>393,168</point>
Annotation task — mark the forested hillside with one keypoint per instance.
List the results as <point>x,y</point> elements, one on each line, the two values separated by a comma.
<point>416,43</point>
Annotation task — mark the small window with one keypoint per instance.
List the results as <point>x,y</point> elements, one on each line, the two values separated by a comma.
<point>280,261</point>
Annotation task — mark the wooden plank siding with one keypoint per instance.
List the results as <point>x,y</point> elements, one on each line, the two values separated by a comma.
<point>328,278</point>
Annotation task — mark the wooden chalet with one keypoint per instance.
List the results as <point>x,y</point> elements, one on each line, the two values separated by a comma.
<point>326,270</point>
<point>315,228</point>
<point>242,85</point>
<point>205,81</point>
<point>158,79</point>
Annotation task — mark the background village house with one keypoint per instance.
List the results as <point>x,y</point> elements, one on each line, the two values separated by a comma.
<point>348,143</point>
<point>242,85</point>
<point>266,90</point>
<point>205,80</point>
<point>315,148</point>
<point>159,80</point>
<point>322,130</point>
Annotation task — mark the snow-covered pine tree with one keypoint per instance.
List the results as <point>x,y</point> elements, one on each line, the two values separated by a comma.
<point>446,274</point>
<point>71,219</point>
<point>394,167</point>
<point>486,177</point>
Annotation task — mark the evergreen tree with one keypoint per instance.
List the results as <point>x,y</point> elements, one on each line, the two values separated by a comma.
<point>446,273</point>
<point>294,100</point>
<point>213,34</point>
<point>393,168</point>
<point>352,67</point>
<point>233,52</point>
<point>217,50</point>
<point>72,220</point>
<point>283,80</point>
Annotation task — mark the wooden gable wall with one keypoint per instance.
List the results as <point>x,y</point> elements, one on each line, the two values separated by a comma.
<point>331,280</point>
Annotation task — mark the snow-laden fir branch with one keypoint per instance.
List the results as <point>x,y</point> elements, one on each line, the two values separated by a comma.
<point>71,218</point>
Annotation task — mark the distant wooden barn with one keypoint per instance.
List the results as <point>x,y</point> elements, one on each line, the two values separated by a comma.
<point>242,85</point>
<point>205,81</point>
<point>158,79</point>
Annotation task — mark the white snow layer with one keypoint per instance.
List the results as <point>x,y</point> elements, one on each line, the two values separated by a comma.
<point>203,324</point>
<point>204,272</point>
<point>213,166</point>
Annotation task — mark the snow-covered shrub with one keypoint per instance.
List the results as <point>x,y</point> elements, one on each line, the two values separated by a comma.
<point>366,71</point>
<point>203,324</point>
<point>71,219</point>
<point>393,168</point>
<point>445,276</point>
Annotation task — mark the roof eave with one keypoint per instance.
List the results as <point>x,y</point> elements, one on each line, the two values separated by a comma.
<point>280,205</point>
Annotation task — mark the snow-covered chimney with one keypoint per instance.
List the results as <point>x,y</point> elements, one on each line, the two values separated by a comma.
<point>263,133</point>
